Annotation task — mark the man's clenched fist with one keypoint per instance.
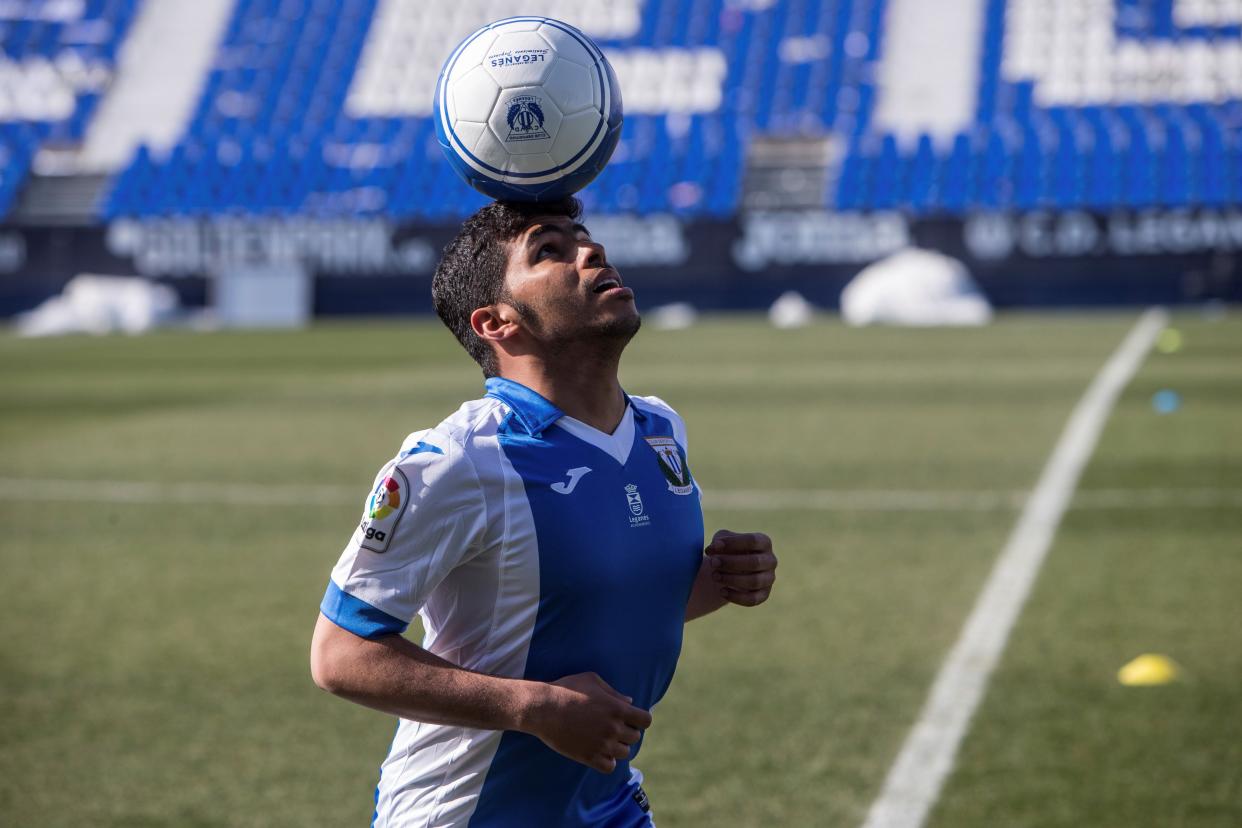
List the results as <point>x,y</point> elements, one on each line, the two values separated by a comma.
<point>742,566</point>
<point>582,717</point>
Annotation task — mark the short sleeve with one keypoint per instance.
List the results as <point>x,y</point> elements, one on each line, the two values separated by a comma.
<point>424,516</point>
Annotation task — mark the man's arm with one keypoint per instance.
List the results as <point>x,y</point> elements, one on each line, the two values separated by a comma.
<point>736,569</point>
<point>705,597</point>
<point>579,716</point>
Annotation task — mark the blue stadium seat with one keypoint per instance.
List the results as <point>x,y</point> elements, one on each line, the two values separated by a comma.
<point>794,67</point>
<point>29,36</point>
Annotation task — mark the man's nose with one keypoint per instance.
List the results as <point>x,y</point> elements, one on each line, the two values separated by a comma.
<point>591,254</point>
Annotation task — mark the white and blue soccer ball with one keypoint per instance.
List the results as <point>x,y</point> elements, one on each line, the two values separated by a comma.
<point>528,109</point>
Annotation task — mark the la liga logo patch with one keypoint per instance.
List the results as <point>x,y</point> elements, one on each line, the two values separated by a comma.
<point>383,511</point>
<point>385,500</point>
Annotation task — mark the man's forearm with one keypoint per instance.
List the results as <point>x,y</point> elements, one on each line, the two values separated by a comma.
<point>705,595</point>
<point>396,676</point>
<point>579,716</point>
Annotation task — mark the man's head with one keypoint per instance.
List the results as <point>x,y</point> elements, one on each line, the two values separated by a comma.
<point>528,278</point>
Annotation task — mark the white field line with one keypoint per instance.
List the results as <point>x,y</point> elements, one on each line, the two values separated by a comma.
<point>30,490</point>
<point>913,500</point>
<point>862,500</point>
<point>916,777</point>
<point>1156,498</point>
<point>147,492</point>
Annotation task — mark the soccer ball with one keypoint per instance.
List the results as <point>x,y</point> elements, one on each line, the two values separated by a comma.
<point>528,109</point>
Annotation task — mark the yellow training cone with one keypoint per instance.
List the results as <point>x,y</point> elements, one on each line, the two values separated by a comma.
<point>1169,341</point>
<point>1148,670</point>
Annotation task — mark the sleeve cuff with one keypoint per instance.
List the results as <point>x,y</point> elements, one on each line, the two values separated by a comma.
<point>356,615</point>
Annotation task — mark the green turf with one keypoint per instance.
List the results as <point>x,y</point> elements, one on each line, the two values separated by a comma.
<point>153,667</point>
<point>1058,742</point>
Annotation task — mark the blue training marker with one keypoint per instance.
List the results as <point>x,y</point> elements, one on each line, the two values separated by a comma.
<point>1166,401</point>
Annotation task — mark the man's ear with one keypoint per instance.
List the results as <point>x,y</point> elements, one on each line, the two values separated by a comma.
<point>494,323</point>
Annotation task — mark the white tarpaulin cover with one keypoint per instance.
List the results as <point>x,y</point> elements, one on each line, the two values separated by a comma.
<point>915,287</point>
<point>100,305</point>
<point>791,310</point>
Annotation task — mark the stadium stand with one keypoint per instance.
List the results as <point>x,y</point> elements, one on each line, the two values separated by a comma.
<point>700,78</point>
<point>156,83</point>
<point>57,57</point>
<point>321,108</point>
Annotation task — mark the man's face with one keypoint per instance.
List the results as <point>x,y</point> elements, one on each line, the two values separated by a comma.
<point>559,281</point>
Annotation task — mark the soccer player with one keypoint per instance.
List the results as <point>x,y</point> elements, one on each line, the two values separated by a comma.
<point>551,538</point>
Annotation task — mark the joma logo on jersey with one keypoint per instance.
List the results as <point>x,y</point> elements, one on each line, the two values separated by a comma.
<point>525,119</point>
<point>673,464</point>
<point>567,486</point>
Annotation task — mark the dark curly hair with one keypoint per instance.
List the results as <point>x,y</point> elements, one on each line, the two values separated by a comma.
<point>471,271</point>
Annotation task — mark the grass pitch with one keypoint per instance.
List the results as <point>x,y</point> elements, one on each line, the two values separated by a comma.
<point>153,667</point>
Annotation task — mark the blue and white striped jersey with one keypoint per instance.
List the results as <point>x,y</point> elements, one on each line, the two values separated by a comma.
<point>532,546</point>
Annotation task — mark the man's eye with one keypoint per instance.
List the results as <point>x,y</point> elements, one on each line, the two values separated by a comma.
<point>546,250</point>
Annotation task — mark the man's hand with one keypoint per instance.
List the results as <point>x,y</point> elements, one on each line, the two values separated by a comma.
<point>581,717</point>
<point>742,566</point>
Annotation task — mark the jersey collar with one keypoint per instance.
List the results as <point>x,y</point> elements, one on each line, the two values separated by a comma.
<point>531,410</point>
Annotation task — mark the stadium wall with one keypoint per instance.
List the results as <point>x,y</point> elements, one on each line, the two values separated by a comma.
<point>373,266</point>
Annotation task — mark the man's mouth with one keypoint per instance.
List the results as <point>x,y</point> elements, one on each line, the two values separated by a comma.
<point>607,282</point>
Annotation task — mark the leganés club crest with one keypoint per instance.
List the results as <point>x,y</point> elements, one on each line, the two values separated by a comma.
<point>525,119</point>
<point>673,464</point>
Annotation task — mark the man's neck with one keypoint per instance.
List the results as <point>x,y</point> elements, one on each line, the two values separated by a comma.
<point>585,389</point>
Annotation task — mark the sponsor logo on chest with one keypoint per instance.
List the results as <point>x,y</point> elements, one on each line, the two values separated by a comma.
<point>634,501</point>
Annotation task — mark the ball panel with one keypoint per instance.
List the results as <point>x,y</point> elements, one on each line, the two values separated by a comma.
<point>615,110</point>
<point>469,132</point>
<point>472,97</point>
<point>478,139</point>
<point>473,51</point>
<point>525,23</point>
<point>525,121</point>
<point>519,59</point>
<point>585,174</point>
<point>532,163</point>
<point>576,130</point>
<point>501,191</point>
<point>571,86</point>
<point>567,42</point>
